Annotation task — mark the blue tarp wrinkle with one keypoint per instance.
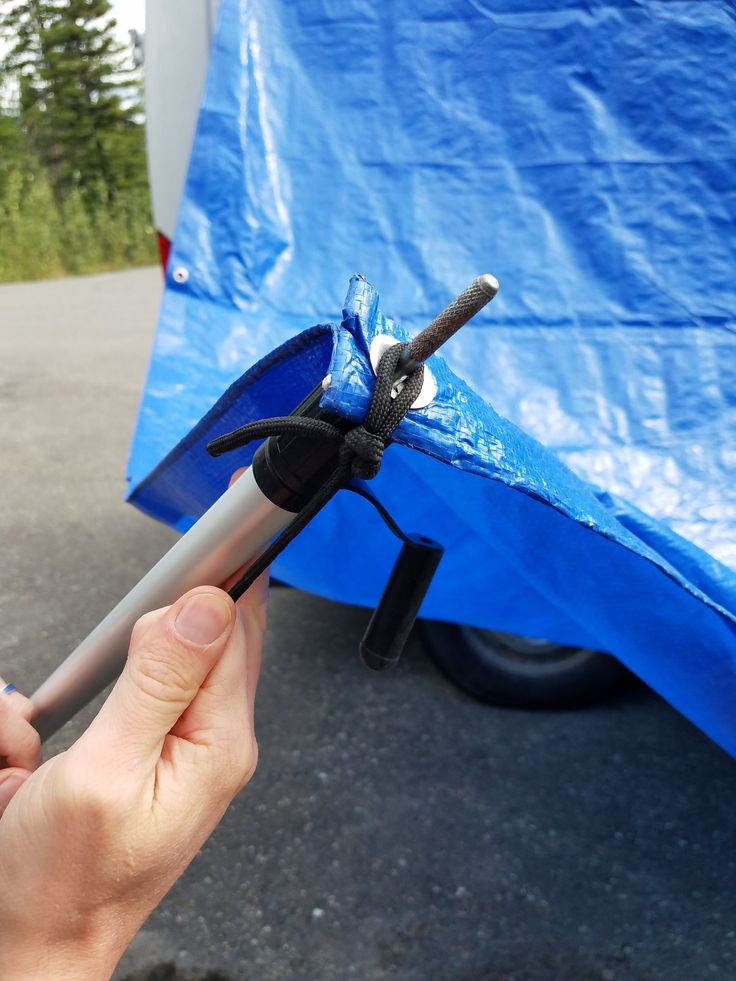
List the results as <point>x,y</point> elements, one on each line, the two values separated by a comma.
<point>583,155</point>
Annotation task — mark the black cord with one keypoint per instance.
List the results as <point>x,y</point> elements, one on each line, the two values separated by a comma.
<point>383,511</point>
<point>359,455</point>
<point>278,426</point>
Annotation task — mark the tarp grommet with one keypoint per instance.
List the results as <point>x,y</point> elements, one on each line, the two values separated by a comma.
<point>380,344</point>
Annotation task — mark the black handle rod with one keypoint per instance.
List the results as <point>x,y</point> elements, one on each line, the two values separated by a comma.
<point>389,628</point>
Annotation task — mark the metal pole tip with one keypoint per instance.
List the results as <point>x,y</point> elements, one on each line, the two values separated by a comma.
<point>462,309</point>
<point>489,284</point>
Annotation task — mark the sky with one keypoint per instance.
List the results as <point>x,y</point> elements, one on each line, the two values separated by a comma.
<point>129,13</point>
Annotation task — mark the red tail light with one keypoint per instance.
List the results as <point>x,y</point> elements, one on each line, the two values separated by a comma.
<point>164,247</point>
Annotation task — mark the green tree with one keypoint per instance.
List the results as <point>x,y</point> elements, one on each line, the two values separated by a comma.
<point>74,87</point>
<point>30,244</point>
<point>14,153</point>
<point>73,187</point>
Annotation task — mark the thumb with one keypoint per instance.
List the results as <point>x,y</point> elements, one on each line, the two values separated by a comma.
<point>171,654</point>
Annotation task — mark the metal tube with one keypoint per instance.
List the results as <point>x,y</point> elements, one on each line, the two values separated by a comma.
<point>230,533</point>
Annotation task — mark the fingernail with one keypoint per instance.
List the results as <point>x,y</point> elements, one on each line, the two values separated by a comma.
<point>8,789</point>
<point>203,618</point>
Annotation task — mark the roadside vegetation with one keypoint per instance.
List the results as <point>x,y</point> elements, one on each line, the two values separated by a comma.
<point>73,182</point>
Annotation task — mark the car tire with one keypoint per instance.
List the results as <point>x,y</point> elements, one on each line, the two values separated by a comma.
<point>505,669</point>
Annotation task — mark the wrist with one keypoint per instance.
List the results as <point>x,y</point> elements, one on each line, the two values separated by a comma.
<point>69,963</point>
<point>91,956</point>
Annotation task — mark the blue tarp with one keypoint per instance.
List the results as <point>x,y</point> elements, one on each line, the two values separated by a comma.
<point>585,155</point>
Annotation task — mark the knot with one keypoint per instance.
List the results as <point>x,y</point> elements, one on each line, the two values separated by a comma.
<point>363,451</point>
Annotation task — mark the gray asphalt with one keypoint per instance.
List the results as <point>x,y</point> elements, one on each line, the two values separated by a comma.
<point>395,828</point>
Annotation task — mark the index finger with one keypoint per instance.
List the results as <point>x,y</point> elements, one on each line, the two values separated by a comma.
<point>20,744</point>
<point>22,705</point>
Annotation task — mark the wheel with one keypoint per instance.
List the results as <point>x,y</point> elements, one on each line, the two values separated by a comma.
<point>523,671</point>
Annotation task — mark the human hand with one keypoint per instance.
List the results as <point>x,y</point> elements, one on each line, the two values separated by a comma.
<point>92,840</point>
<point>20,746</point>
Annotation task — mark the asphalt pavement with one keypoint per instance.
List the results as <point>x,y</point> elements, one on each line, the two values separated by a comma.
<point>395,827</point>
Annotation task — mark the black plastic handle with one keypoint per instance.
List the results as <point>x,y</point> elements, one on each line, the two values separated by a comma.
<point>392,620</point>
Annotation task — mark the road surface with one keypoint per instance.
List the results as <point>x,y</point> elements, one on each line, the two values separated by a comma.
<point>395,829</point>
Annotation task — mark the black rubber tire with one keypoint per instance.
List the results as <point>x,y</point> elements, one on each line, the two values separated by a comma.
<point>495,668</point>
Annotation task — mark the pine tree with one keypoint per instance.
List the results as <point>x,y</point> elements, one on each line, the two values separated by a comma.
<point>73,84</point>
<point>14,154</point>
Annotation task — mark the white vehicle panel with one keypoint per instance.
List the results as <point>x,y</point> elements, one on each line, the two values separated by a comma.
<point>177,48</point>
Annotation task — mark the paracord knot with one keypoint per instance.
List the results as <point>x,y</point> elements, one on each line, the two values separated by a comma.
<point>364,452</point>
